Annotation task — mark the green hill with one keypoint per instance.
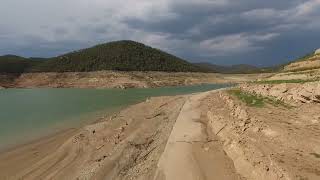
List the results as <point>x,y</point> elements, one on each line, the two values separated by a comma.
<point>119,55</point>
<point>16,64</point>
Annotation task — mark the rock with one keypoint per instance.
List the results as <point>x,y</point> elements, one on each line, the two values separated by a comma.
<point>244,129</point>
<point>121,86</point>
<point>1,87</point>
<point>294,93</point>
<point>99,147</point>
<point>317,117</point>
<point>242,114</point>
<point>248,121</point>
<point>242,124</point>
<point>317,51</point>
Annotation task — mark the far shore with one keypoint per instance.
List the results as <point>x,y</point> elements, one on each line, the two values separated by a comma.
<point>118,79</point>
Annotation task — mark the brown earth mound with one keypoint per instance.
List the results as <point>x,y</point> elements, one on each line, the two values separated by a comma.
<point>269,142</point>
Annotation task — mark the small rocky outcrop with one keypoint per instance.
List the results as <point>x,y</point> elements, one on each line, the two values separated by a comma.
<point>311,62</point>
<point>290,93</point>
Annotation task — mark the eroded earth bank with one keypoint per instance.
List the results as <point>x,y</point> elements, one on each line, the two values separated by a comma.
<point>239,133</point>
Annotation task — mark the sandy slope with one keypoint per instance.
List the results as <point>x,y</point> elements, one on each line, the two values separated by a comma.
<point>124,146</point>
<point>272,142</point>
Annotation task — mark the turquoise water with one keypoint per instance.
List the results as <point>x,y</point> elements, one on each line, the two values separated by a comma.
<point>29,113</point>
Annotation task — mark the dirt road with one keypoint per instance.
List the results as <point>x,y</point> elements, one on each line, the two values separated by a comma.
<point>191,153</point>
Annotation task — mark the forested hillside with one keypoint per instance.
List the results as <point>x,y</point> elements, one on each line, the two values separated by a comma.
<point>17,64</point>
<point>120,55</point>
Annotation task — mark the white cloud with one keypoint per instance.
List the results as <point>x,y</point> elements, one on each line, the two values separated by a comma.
<point>307,8</point>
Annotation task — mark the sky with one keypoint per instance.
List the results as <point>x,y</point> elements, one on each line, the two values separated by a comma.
<point>257,32</point>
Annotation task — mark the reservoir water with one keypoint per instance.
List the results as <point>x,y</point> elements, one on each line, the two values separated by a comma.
<point>26,114</point>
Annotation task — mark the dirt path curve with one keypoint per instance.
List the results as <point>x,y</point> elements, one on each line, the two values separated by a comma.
<point>191,153</point>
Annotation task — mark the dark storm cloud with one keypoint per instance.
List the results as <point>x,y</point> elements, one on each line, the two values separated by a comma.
<point>228,15</point>
<point>262,30</point>
<point>217,31</point>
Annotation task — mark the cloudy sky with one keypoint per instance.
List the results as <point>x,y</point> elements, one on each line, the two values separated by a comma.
<point>260,32</point>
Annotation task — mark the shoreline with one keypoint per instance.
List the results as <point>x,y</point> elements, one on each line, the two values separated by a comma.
<point>203,135</point>
<point>37,140</point>
<point>97,117</point>
<point>48,149</point>
<point>92,118</point>
<point>173,108</point>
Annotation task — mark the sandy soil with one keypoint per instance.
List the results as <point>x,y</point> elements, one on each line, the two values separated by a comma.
<point>21,157</point>
<point>124,146</point>
<point>112,79</point>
